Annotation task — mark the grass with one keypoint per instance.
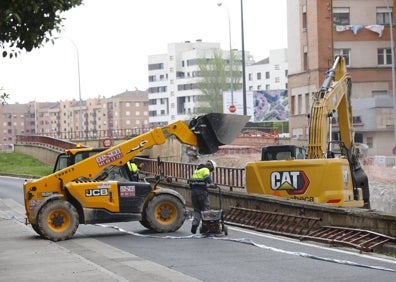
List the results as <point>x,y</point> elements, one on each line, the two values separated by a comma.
<point>21,164</point>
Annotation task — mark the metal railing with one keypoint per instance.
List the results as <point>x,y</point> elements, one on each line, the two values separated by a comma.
<point>181,172</point>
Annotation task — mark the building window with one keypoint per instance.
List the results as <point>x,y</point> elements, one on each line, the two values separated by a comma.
<point>267,87</point>
<point>276,67</point>
<point>250,88</point>
<point>340,16</point>
<point>375,93</point>
<point>277,79</point>
<point>383,15</point>
<point>267,75</point>
<point>250,77</point>
<point>358,137</point>
<point>258,75</point>
<point>369,142</point>
<point>307,108</point>
<point>304,19</point>
<point>159,66</point>
<point>384,56</point>
<point>343,52</point>
<point>305,62</point>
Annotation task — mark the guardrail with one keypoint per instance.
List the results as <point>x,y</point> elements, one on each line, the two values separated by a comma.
<point>181,172</point>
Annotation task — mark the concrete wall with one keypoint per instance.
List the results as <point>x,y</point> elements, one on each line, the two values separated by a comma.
<point>46,155</point>
<point>379,222</point>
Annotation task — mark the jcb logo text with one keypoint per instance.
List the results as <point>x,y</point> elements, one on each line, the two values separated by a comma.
<point>96,192</point>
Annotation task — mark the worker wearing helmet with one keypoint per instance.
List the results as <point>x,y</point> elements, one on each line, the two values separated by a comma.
<point>199,183</point>
<point>134,169</point>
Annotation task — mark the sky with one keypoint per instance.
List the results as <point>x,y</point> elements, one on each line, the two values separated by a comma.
<point>111,41</point>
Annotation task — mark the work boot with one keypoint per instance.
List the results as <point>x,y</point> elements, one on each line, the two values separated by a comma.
<point>194,229</point>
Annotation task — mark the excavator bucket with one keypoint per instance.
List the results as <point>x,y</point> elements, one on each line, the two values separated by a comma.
<point>216,129</point>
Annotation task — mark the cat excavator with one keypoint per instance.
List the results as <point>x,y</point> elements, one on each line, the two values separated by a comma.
<point>317,173</point>
<point>94,185</point>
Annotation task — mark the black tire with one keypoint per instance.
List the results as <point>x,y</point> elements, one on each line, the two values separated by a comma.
<point>144,221</point>
<point>36,228</point>
<point>58,220</point>
<point>165,213</point>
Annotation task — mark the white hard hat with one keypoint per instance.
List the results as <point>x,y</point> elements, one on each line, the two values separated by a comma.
<point>212,164</point>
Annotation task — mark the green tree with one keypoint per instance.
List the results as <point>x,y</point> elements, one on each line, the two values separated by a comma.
<point>28,24</point>
<point>215,80</point>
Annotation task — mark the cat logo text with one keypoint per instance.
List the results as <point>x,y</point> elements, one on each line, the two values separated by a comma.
<point>293,182</point>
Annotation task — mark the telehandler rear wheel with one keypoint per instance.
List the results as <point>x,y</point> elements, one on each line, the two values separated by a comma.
<point>58,220</point>
<point>165,213</point>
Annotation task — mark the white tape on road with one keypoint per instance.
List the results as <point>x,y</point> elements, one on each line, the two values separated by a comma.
<point>250,242</point>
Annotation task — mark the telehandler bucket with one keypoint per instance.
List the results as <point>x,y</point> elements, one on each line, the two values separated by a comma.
<point>216,129</point>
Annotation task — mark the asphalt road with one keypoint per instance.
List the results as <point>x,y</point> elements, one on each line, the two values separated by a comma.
<point>243,255</point>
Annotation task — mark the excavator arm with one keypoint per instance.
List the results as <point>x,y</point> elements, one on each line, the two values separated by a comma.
<point>333,96</point>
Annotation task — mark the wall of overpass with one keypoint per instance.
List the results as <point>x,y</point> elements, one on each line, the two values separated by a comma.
<point>375,221</point>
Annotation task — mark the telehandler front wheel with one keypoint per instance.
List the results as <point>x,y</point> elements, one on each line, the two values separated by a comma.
<point>165,213</point>
<point>58,220</point>
<point>36,228</point>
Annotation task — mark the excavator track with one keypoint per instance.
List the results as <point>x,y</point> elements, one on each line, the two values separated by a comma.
<point>305,228</point>
<point>363,240</point>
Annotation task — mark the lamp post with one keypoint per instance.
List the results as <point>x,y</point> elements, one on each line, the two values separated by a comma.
<point>79,86</point>
<point>232,106</point>
<point>243,64</point>
<point>393,72</point>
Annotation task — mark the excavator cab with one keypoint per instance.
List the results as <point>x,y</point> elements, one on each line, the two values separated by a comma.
<point>282,152</point>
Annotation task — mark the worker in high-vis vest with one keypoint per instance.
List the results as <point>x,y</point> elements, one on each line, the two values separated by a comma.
<point>199,182</point>
<point>134,169</point>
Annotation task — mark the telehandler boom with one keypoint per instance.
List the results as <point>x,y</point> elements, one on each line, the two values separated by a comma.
<point>94,186</point>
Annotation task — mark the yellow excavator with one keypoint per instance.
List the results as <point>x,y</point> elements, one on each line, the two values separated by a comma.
<point>317,173</point>
<point>94,185</point>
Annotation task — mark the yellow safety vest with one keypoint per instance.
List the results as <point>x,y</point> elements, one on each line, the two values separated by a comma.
<point>133,167</point>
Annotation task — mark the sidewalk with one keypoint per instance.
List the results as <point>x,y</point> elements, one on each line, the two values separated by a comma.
<point>26,257</point>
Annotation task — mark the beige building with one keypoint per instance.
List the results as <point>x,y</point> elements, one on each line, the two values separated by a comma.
<point>15,119</point>
<point>359,30</point>
<point>120,115</point>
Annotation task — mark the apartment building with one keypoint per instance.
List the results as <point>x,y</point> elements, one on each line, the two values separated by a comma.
<point>118,116</point>
<point>172,80</point>
<point>15,119</point>
<point>269,73</point>
<point>173,77</point>
<point>359,30</point>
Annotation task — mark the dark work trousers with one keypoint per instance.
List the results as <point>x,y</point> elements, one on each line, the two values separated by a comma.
<point>200,202</point>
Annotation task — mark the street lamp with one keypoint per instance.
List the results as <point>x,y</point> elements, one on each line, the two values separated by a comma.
<point>393,70</point>
<point>79,84</point>
<point>232,106</point>
<point>243,64</point>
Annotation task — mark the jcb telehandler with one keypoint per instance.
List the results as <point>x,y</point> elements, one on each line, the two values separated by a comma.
<point>94,186</point>
<point>317,174</point>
